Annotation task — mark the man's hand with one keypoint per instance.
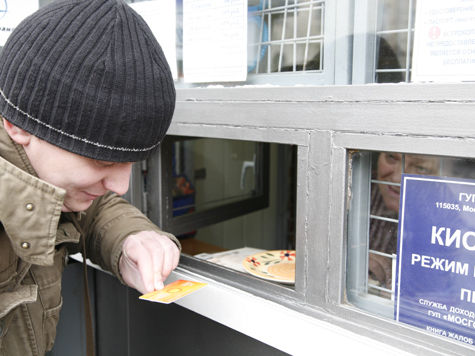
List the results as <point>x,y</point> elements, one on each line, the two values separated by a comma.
<point>147,260</point>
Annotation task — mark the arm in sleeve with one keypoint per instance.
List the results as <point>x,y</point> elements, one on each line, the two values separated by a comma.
<point>107,223</point>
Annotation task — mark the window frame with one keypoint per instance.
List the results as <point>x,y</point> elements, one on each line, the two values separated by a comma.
<point>366,40</point>
<point>326,75</point>
<point>326,124</point>
<point>337,55</point>
<point>416,141</point>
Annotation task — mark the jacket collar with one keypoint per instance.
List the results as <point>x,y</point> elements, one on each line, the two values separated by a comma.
<point>30,207</point>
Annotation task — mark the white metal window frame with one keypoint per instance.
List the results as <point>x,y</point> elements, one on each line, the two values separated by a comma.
<point>337,51</point>
<point>367,23</point>
<point>327,123</point>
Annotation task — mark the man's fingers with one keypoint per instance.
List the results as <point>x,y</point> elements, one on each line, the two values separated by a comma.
<point>139,255</point>
<point>164,253</point>
<point>170,254</point>
<point>158,261</point>
<point>154,257</point>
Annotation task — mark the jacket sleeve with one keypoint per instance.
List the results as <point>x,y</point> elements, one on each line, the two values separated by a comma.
<point>107,223</point>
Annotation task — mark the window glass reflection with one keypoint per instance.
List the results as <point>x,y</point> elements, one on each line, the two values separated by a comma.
<point>394,14</point>
<point>383,229</point>
<point>208,174</point>
<point>285,36</point>
<point>395,29</point>
<point>382,204</point>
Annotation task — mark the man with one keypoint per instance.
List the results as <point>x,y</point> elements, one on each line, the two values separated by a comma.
<point>85,90</point>
<point>385,203</point>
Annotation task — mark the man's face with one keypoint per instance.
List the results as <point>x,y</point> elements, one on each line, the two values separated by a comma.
<point>84,179</point>
<point>390,169</point>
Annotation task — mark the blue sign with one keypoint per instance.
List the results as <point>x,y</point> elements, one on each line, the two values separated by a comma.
<point>435,277</point>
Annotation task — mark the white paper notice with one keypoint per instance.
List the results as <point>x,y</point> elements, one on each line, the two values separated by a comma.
<point>12,12</point>
<point>214,40</point>
<point>444,41</point>
<point>160,16</point>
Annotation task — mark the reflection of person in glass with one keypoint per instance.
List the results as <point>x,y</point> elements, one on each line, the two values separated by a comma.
<point>385,204</point>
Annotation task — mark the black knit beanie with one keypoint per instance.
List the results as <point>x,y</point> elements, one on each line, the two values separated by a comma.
<point>88,76</point>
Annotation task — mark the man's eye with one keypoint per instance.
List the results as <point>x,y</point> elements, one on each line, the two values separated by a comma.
<point>421,170</point>
<point>391,157</point>
<point>418,169</point>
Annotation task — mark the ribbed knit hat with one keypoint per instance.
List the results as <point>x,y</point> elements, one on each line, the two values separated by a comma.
<point>88,76</point>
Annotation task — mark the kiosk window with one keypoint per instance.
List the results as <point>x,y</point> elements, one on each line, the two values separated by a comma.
<point>374,220</point>
<point>205,181</point>
<point>285,36</point>
<point>219,195</point>
<point>394,40</point>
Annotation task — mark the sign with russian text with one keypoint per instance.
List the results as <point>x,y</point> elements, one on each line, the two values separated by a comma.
<point>214,40</point>
<point>435,277</point>
<point>161,18</point>
<point>444,41</point>
<point>12,12</point>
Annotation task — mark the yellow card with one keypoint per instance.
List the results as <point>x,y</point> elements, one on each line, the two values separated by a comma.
<point>173,291</point>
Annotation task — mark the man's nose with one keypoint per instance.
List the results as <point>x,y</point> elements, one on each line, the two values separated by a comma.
<point>396,173</point>
<point>118,178</point>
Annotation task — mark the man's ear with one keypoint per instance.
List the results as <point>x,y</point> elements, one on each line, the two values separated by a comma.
<point>18,135</point>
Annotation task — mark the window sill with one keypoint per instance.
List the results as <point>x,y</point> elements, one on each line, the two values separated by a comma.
<point>274,324</point>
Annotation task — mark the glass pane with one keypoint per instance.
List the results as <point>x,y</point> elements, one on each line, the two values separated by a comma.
<point>394,40</point>
<point>309,55</point>
<point>460,167</point>
<point>385,209</point>
<point>374,220</point>
<point>276,29</point>
<point>287,61</point>
<point>276,55</point>
<point>316,28</point>
<point>212,172</point>
<point>394,14</point>
<point>280,27</point>
<point>289,24</point>
<point>392,51</point>
<point>271,228</point>
<point>390,77</point>
<point>263,65</point>
<point>276,24</point>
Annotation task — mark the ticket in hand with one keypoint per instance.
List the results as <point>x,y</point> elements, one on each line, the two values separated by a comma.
<point>173,291</point>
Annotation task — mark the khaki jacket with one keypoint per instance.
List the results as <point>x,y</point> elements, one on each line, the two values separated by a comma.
<point>35,239</point>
